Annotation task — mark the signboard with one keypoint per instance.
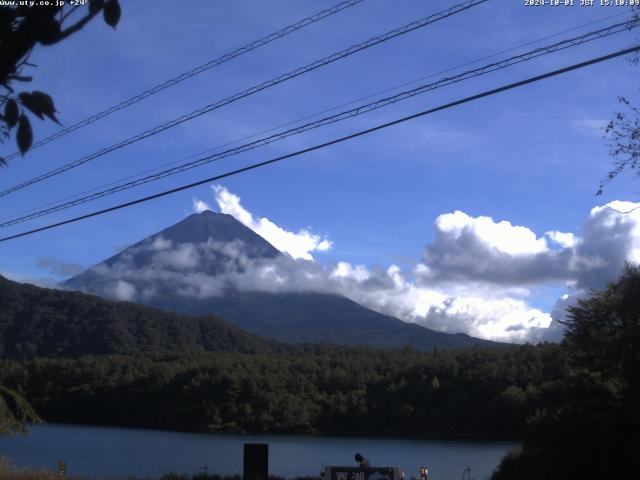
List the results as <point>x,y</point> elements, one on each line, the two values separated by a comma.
<point>357,473</point>
<point>256,461</point>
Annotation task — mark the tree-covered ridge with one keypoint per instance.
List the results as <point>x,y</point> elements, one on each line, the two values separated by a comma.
<point>461,393</point>
<point>43,322</point>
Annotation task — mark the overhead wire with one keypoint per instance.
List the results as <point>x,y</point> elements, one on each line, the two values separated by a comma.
<point>335,141</point>
<point>193,72</point>
<point>313,115</point>
<point>469,74</point>
<point>461,7</point>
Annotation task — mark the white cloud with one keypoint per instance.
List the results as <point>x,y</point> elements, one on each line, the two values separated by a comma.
<point>60,268</point>
<point>507,319</point>
<point>123,291</point>
<point>473,278</point>
<point>482,312</point>
<point>565,240</point>
<point>476,277</point>
<point>161,243</point>
<point>184,256</point>
<point>482,250</point>
<point>502,236</point>
<point>200,206</point>
<point>611,237</point>
<point>346,270</point>
<point>298,245</point>
<point>488,312</point>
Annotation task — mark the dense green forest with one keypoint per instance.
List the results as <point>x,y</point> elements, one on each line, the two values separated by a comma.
<point>478,392</point>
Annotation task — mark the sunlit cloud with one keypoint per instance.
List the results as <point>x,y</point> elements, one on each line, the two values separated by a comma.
<point>200,206</point>
<point>477,275</point>
<point>298,245</point>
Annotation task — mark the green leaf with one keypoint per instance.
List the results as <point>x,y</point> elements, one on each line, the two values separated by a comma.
<point>111,13</point>
<point>48,31</point>
<point>11,113</point>
<point>46,105</point>
<point>40,104</point>
<point>24,136</point>
<point>27,100</point>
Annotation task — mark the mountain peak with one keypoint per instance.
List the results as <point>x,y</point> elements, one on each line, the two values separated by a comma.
<point>202,230</point>
<point>209,226</point>
<point>207,213</point>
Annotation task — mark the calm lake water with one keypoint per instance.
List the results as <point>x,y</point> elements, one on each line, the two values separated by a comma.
<point>117,452</point>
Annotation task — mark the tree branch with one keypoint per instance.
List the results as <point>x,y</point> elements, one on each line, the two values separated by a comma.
<point>66,15</point>
<point>77,26</point>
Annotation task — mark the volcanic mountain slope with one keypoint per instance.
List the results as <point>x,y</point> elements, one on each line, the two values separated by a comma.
<point>42,322</point>
<point>221,237</point>
<point>194,267</point>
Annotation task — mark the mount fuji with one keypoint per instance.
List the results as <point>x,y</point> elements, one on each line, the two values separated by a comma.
<point>205,265</point>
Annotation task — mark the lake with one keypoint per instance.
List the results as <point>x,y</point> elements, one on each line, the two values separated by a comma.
<point>116,452</point>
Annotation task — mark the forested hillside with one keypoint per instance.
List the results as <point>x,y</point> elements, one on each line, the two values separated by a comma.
<point>43,322</point>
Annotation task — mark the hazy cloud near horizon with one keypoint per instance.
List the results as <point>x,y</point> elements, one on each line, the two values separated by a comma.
<point>59,268</point>
<point>479,276</point>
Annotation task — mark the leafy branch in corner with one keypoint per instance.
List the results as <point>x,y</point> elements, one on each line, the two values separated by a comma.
<point>21,29</point>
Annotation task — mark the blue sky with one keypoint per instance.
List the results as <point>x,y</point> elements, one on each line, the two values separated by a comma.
<point>532,157</point>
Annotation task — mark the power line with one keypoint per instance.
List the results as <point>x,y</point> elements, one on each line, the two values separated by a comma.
<point>472,62</point>
<point>360,133</point>
<point>195,71</point>
<point>492,67</point>
<point>255,89</point>
<point>313,115</point>
<point>307,117</point>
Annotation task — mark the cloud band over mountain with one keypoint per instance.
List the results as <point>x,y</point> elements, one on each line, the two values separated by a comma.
<point>479,276</point>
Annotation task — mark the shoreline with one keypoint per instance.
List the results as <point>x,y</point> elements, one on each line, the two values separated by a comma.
<point>323,435</point>
<point>118,452</point>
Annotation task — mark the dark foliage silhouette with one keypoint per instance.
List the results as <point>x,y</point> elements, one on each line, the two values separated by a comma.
<point>592,427</point>
<point>22,28</point>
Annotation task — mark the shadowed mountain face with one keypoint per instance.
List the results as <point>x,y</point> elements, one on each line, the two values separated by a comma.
<point>185,269</point>
<point>319,318</point>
